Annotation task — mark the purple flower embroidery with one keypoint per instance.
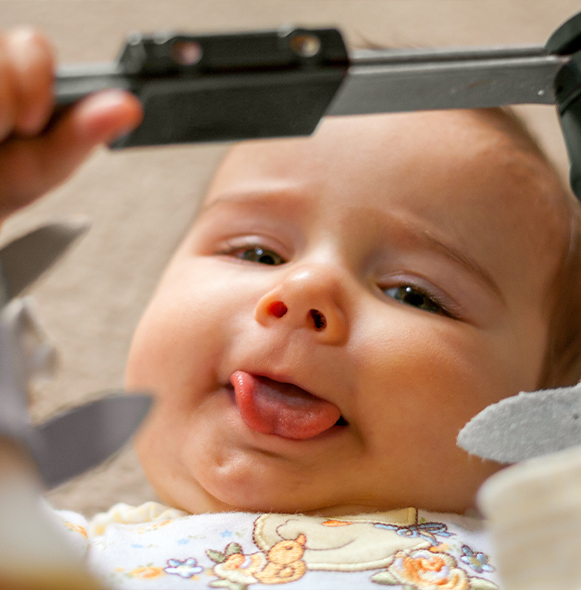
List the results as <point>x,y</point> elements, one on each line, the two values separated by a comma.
<point>477,561</point>
<point>184,569</point>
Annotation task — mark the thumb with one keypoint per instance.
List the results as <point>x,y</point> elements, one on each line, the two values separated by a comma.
<point>29,167</point>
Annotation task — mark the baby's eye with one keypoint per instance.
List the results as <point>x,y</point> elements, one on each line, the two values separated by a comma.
<point>261,255</point>
<point>415,297</point>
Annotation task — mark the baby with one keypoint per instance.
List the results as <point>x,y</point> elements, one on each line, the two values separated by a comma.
<point>341,308</point>
<point>343,305</point>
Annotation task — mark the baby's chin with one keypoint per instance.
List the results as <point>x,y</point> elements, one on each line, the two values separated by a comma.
<point>218,496</point>
<point>205,503</point>
<point>218,492</point>
<point>227,496</point>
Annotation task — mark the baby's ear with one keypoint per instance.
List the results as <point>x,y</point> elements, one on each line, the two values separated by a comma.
<point>526,425</point>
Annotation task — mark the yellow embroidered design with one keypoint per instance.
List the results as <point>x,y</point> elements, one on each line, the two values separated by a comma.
<point>153,526</point>
<point>77,528</point>
<point>126,514</point>
<point>441,548</point>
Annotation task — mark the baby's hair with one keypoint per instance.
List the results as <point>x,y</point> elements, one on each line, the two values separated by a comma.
<point>562,362</point>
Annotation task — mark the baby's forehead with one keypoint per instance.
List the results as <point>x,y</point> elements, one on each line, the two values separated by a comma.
<point>470,146</point>
<point>484,133</point>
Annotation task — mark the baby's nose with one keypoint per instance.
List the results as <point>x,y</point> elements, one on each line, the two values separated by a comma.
<point>278,309</point>
<point>308,298</point>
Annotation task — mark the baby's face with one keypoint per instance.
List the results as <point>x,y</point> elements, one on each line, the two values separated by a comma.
<point>343,305</point>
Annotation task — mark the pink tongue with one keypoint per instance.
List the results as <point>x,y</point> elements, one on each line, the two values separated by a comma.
<point>283,409</point>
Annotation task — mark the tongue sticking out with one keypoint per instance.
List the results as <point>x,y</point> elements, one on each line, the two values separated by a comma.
<point>283,409</point>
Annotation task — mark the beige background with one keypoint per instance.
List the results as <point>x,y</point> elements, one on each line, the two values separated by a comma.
<point>142,201</point>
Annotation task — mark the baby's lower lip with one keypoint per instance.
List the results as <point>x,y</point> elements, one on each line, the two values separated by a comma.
<point>282,409</point>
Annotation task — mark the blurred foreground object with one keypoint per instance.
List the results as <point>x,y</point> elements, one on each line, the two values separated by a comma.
<point>534,514</point>
<point>33,553</point>
<point>527,425</point>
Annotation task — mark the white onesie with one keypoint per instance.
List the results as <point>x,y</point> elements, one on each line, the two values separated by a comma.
<point>153,546</point>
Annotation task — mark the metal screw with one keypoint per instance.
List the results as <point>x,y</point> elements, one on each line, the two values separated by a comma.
<point>186,53</point>
<point>305,45</point>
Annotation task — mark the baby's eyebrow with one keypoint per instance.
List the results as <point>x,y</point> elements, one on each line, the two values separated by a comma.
<point>268,197</point>
<point>462,259</point>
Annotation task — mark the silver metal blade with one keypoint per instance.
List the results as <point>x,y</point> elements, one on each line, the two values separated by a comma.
<point>81,438</point>
<point>23,260</point>
<point>525,426</point>
<point>381,81</point>
<point>14,421</point>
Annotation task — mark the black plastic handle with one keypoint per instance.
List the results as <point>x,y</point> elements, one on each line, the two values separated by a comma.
<point>566,40</point>
<point>197,88</point>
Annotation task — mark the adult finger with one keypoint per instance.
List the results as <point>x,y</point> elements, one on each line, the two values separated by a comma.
<point>32,60</point>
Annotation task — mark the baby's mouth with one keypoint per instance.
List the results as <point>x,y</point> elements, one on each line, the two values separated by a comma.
<point>284,409</point>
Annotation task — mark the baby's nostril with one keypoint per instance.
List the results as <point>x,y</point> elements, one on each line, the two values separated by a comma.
<point>318,319</point>
<point>277,309</point>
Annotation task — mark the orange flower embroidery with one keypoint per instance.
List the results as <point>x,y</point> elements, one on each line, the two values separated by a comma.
<point>146,573</point>
<point>77,528</point>
<point>427,570</point>
<point>335,523</point>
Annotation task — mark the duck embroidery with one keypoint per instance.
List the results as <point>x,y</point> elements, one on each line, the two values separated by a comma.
<point>281,564</point>
<point>284,562</point>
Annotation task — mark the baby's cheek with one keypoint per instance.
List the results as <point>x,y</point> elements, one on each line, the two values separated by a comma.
<point>166,349</point>
<point>437,373</point>
<point>138,369</point>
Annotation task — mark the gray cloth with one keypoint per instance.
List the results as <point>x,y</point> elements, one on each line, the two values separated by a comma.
<point>526,425</point>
